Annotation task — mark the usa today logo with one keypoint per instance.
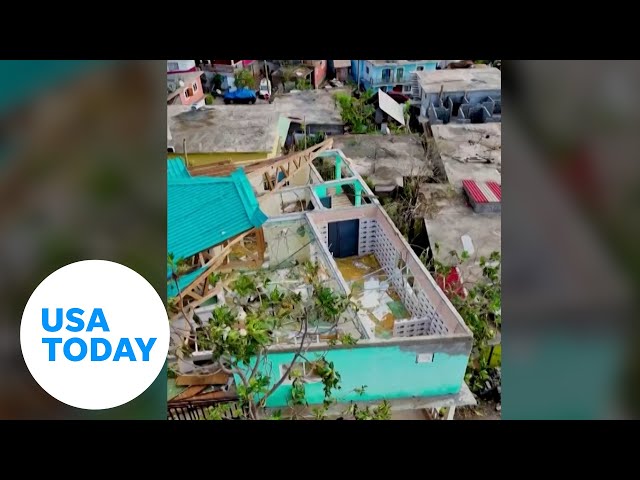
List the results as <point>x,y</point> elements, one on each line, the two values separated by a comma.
<point>94,334</point>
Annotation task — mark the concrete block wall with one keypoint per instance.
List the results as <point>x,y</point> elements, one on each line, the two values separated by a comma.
<point>410,327</point>
<point>424,318</point>
<point>463,107</point>
<point>367,236</point>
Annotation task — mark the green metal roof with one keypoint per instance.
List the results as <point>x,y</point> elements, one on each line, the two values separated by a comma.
<point>176,169</point>
<point>183,281</point>
<point>205,211</point>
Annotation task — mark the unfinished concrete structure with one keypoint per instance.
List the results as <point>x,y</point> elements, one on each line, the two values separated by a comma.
<point>413,347</point>
<point>315,111</point>
<point>385,159</point>
<point>460,95</point>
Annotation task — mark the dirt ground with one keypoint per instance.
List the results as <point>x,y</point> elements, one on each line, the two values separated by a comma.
<point>482,411</point>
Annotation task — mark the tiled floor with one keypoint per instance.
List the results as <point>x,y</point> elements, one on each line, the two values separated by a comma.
<point>379,305</point>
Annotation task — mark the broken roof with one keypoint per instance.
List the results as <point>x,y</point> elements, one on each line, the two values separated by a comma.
<point>389,106</point>
<point>176,169</point>
<point>315,107</point>
<point>228,128</point>
<point>204,211</point>
<point>460,80</point>
<point>469,151</point>
<point>385,159</point>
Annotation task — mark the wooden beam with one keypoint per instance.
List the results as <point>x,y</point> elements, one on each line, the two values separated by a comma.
<point>260,243</point>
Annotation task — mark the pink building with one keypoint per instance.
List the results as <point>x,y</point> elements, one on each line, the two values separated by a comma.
<point>184,88</point>
<point>319,71</point>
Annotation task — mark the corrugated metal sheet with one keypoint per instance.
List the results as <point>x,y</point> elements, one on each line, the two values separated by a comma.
<point>203,212</point>
<point>483,192</point>
<point>183,281</point>
<point>389,106</point>
<point>176,169</point>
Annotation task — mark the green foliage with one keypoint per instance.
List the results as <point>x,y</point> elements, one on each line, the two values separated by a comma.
<point>239,338</point>
<point>326,170</point>
<point>208,99</point>
<point>244,285</point>
<point>217,81</point>
<point>256,385</point>
<point>303,84</point>
<point>298,394</point>
<point>481,309</point>
<point>244,79</point>
<point>347,339</point>
<point>381,412</point>
<point>229,339</point>
<point>330,378</point>
<point>357,115</point>
<point>177,266</point>
<point>301,145</point>
<point>360,390</point>
<point>214,278</point>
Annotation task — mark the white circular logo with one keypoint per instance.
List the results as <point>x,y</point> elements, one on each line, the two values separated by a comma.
<point>94,334</point>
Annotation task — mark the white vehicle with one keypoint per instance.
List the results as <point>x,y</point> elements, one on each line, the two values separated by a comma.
<point>265,88</point>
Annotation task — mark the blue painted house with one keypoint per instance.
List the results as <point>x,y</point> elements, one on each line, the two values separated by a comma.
<point>389,75</point>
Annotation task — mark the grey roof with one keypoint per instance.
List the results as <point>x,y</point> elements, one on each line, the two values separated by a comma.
<point>228,128</point>
<point>397,62</point>
<point>460,80</point>
<point>463,148</point>
<point>451,219</point>
<point>313,106</point>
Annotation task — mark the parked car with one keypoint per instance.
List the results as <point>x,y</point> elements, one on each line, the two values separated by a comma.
<point>241,95</point>
<point>265,89</point>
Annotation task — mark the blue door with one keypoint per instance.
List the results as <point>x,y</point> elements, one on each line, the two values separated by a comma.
<point>343,238</point>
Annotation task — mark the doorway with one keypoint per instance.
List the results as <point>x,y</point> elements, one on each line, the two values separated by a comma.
<point>343,238</point>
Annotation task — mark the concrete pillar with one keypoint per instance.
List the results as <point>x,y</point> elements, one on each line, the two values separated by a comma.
<point>358,190</point>
<point>338,173</point>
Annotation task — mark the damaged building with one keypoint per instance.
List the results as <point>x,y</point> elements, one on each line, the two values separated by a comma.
<point>412,346</point>
<point>460,96</point>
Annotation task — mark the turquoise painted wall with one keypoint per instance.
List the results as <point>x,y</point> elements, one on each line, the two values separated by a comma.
<point>388,372</point>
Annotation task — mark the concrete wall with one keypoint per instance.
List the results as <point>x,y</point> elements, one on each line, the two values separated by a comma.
<point>460,107</point>
<point>426,300</point>
<point>389,371</point>
<point>182,66</point>
<point>273,204</point>
<point>285,244</point>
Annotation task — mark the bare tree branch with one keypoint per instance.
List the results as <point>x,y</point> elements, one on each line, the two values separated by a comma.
<point>293,361</point>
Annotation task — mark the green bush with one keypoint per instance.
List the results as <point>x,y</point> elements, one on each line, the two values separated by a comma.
<point>208,99</point>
